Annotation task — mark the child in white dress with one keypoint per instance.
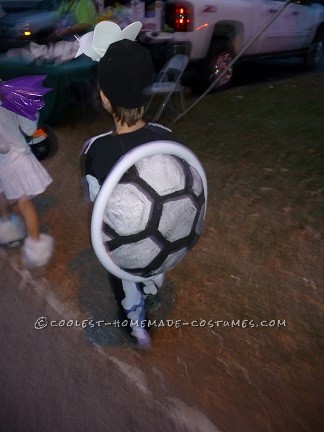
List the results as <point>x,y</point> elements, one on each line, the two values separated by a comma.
<point>22,177</point>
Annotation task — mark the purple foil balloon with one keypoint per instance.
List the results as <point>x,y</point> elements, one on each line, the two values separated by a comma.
<point>24,95</point>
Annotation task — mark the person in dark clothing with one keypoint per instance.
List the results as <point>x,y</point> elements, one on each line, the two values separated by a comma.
<point>123,73</point>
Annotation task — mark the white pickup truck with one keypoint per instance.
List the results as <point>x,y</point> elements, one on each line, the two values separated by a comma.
<point>213,32</point>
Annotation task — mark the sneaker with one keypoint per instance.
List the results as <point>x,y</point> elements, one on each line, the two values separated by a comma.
<point>143,340</point>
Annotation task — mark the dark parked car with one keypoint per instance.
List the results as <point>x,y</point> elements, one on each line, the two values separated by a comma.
<point>24,21</point>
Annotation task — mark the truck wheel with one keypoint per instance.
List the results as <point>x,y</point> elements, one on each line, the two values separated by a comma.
<point>314,55</point>
<point>219,56</point>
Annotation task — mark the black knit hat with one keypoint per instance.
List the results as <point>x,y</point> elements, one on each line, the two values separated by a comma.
<point>124,72</point>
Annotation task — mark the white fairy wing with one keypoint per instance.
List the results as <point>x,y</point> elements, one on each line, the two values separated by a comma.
<point>95,44</point>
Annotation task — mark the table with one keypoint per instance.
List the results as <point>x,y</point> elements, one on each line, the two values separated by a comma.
<point>61,78</point>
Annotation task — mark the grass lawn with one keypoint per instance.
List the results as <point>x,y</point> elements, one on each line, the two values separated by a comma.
<point>261,255</point>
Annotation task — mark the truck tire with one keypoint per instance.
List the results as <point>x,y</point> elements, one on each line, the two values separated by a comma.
<point>219,55</point>
<point>314,55</point>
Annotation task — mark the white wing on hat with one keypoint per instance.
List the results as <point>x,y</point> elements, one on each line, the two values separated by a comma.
<point>95,44</point>
<point>86,47</point>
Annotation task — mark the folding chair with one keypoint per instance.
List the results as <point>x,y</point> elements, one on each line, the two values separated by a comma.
<point>167,83</point>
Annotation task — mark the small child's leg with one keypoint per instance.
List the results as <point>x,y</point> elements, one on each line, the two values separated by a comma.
<point>38,248</point>
<point>152,285</point>
<point>4,209</point>
<point>150,289</point>
<point>134,306</point>
<point>30,216</point>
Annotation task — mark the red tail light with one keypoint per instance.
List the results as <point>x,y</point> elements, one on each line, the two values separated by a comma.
<point>179,16</point>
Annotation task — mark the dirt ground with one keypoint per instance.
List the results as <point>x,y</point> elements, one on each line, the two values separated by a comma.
<point>250,357</point>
